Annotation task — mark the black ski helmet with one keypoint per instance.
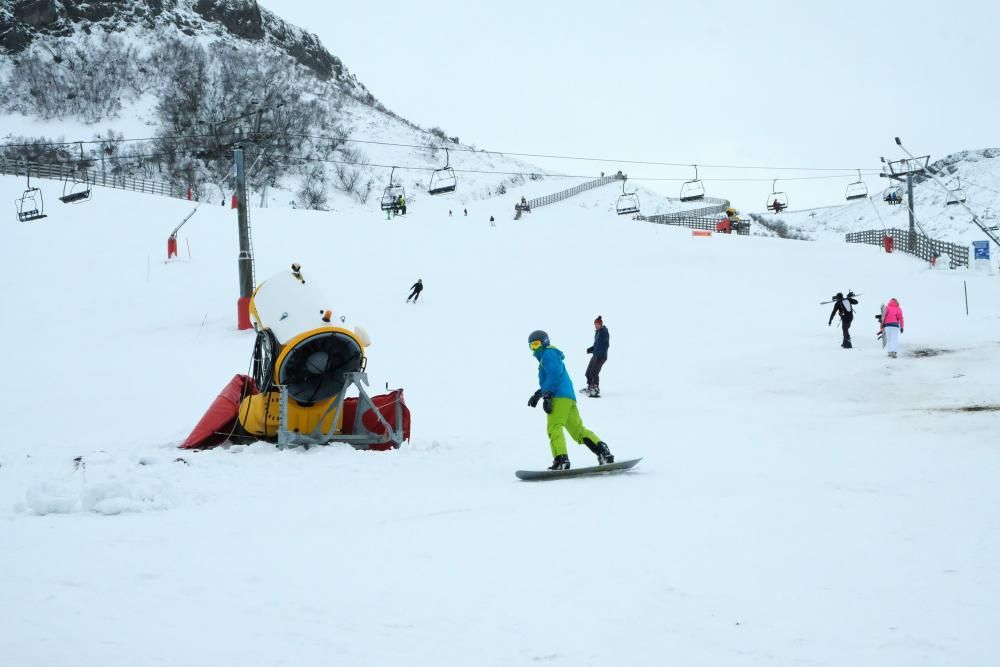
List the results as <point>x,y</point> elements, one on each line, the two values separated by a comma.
<point>538,334</point>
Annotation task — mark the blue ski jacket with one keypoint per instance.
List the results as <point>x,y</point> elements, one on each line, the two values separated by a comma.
<point>552,375</point>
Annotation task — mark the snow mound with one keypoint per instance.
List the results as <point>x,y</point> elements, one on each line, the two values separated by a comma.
<point>109,492</point>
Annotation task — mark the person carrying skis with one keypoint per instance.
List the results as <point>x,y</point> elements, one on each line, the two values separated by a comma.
<point>892,326</point>
<point>599,355</point>
<point>559,403</point>
<point>417,288</point>
<point>844,306</point>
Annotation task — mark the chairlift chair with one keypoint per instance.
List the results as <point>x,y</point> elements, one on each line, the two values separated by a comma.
<point>628,202</point>
<point>443,180</point>
<point>776,201</point>
<point>856,190</point>
<point>893,195</point>
<point>392,193</point>
<point>31,204</point>
<point>957,195</point>
<point>76,190</point>
<point>693,190</point>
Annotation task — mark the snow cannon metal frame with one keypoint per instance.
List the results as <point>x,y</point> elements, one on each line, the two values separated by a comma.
<point>358,435</point>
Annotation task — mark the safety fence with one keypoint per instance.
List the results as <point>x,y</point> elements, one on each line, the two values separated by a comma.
<point>566,194</point>
<point>706,217</point>
<point>915,244</point>
<point>71,174</point>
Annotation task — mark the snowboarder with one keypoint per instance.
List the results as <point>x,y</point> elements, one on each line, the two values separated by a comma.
<point>417,288</point>
<point>599,355</point>
<point>559,403</point>
<point>844,306</point>
<point>892,327</point>
<point>493,222</point>
<point>466,211</point>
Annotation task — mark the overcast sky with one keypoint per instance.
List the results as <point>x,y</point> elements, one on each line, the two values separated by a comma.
<point>721,82</point>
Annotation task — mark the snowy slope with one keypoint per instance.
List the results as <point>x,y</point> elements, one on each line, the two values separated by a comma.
<point>977,173</point>
<point>797,503</point>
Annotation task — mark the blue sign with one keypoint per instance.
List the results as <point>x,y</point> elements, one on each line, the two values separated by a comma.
<point>981,249</point>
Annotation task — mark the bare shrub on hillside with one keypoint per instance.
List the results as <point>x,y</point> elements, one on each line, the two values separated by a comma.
<point>363,193</point>
<point>312,194</point>
<point>780,228</point>
<point>350,170</point>
<point>88,79</point>
<point>33,149</point>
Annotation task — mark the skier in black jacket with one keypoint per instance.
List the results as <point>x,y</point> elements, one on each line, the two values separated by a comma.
<point>844,306</point>
<point>599,354</point>
<point>417,288</point>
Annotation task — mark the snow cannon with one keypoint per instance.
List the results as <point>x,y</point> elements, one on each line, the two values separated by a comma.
<point>305,359</point>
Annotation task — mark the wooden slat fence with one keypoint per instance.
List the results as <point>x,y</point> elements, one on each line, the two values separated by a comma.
<point>923,247</point>
<point>62,172</point>
<point>572,192</point>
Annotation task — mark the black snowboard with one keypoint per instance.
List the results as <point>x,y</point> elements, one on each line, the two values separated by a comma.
<point>540,475</point>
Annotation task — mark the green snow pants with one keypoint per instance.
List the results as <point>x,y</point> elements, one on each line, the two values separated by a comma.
<point>565,415</point>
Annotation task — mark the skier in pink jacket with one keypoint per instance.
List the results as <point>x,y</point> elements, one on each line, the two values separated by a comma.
<point>892,326</point>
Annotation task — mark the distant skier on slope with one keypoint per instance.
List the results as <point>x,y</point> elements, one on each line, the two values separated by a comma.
<point>844,306</point>
<point>599,355</point>
<point>417,288</point>
<point>556,393</point>
<point>892,327</point>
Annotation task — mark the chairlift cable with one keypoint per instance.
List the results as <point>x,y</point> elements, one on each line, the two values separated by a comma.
<point>455,148</point>
<point>293,158</point>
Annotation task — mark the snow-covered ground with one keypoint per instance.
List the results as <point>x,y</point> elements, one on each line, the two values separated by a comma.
<point>797,503</point>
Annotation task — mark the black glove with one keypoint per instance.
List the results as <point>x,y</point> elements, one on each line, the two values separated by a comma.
<point>533,401</point>
<point>590,350</point>
<point>900,329</point>
<point>547,402</point>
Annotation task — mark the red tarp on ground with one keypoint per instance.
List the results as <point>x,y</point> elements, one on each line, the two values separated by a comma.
<point>386,404</point>
<point>220,418</point>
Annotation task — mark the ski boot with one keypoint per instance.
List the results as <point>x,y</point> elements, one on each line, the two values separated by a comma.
<point>594,391</point>
<point>560,462</point>
<point>600,449</point>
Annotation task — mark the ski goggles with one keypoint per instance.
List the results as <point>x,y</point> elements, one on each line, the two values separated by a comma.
<point>535,344</point>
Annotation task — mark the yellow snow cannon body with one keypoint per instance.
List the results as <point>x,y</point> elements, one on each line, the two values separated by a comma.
<point>305,347</point>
